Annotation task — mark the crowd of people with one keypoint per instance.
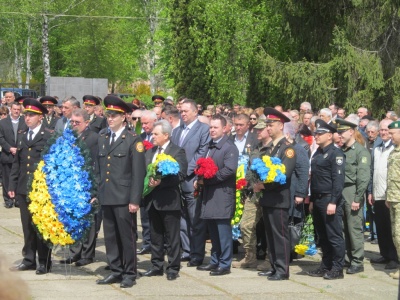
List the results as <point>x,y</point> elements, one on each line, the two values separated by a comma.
<point>335,165</point>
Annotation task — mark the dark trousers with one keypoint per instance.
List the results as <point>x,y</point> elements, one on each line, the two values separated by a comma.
<point>6,170</point>
<point>330,233</point>
<point>120,229</point>
<point>221,242</point>
<point>384,231</point>
<point>87,248</point>
<point>32,242</point>
<point>277,232</point>
<point>165,225</point>
<point>146,235</point>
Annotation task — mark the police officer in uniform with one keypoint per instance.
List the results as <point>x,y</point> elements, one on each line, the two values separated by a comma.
<point>96,123</point>
<point>50,119</point>
<point>357,175</point>
<point>122,171</point>
<point>30,145</point>
<point>275,199</point>
<point>327,181</point>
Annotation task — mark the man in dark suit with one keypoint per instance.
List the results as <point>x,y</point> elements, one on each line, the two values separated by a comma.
<point>218,198</point>
<point>9,129</point>
<point>164,205</point>
<point>122,170</point>
<point>194,137</point>
<point>95,123</point>
<point>29,149</point>
<point>244,140</point>
<point>50,119</point>
<point>83,254</point>
<point>69,104</point>
<point>275,199</point>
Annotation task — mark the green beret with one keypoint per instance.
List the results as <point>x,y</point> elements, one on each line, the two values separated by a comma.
<point>394,125</point>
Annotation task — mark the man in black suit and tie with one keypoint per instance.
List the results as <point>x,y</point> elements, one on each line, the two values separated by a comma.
<point>9,129</point>
<point>29,149</point>
<point>244,140</point>
<point>122,170</point>
<point>95,123</point>
<point>164,205</point>
<point>83,254</point>
<point>218,198</point>
<point>193,136</point>
<point>69,104</point>
<point>50,119</point>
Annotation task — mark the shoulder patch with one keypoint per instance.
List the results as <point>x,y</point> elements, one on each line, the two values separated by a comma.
<point>364,160</point>
<point>339,160</point>
<point>139,147</point>
<point>289,153</point>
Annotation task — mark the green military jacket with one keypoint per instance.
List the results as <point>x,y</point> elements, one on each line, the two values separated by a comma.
<point>393,176</point>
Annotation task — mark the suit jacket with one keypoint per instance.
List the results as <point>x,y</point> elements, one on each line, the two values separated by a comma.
<point>53,122</point>
<point>218,197</point>
<point>60,125</point>
<point>121,168</point>
<point>97,124</point>
<point>28,155</point>
<point>166,196</point>
<point>91,140</point>
<point>251,141</point>
<point>7,138</point>
<point>143,135</point>
<point>196,146</point>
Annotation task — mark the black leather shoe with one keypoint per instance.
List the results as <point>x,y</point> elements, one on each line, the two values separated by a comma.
<point>391,265</point>
<point>43,269</point>
<point>69,260</point>
<point>333,274</point>
<point>277,277</point>
<point>346,264</point>
<point>209,267</point>
<point>143,251</point>
<point>8,205</point>
<point>22,267</point>
<point>185,258</point>
<point>318,272</point>
<point>16,204</point>
<point>83,262</point>
<point>172,276</point>
<point>380,260</point>
<point>109,279</point>
<point>107,268</point>
<point>127,283</point>
<point>267,273</point>
<point>194,263</point>
<point>220,272</point>
<point>153,272</point>
<point>355,269</point>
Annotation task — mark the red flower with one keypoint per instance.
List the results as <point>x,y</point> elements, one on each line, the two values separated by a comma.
<point>206,168</point>
<point>241,183</point>
<point>147,145</point>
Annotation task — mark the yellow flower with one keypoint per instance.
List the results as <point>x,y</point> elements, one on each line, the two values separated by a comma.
<point>300,249</point>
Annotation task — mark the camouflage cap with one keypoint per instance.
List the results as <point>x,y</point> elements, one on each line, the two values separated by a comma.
<point>260,124</point>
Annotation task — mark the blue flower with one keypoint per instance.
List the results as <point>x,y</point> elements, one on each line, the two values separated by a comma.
<point>168,167</point>
<point>236,232</point>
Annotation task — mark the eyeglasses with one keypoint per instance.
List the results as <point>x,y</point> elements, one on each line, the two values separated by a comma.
<point>253,119</point>
<point>75,122</point>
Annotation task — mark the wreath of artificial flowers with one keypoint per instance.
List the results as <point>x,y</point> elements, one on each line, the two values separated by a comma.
<point>61,190</point>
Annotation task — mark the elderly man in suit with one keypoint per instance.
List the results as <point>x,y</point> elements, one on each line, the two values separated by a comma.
<point>193,136</point>
<point>83,254</point>
<point>218,198</point>
<point>50,119</point>
<point>164,205</point>
<point>9,129</point>
<point>95,123</point>
<point>69,104</point>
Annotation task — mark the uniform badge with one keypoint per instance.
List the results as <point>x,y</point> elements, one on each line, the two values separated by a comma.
<point>289,153</point>
<point>139,147</point>
<point>339,161</point>
<point>363,160</point>
<point>325,155</point>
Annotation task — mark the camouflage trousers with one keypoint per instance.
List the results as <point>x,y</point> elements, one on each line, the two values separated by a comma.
<point>395,221</point>
<point>252,213</point>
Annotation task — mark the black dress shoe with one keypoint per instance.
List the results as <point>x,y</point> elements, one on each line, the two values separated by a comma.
<point>194,263</point>
<point>318,272</point>
<point>209,267</point>
<point>83,262</point>
<point>109,279</point>
<point>143,251</point>
<point>391,265</point>
<point>153,272</point>
<point>22,267</point>
<point>380,260</point>
<point>277,277</point>
<point>185,258</point>
<point>267,273</point>
<point>333,274</point>
<point>172,276</point>
<point>107,268</point>
<point>8,205</point>
<point>127,283</point>
<point>220,272</point>
<point>69,260</point>
<point>16,204</point>
<point>43,269</point>
<point>355,269</point>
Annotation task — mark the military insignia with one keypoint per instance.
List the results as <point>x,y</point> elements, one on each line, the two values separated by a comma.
<point>289,153</point>
<point>339,161</point>
<point>42,132</point>
<point>325,155</point>
<point>318,125</point>
<point>139,147</point>
<point>123,136</point>
<point>103,146</point>
<point>363,160</point>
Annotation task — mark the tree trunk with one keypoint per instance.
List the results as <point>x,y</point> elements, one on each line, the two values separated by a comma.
<point>28,58</point>
<point>45,50</point>
<point>18,61</point>
<point>152,53</point>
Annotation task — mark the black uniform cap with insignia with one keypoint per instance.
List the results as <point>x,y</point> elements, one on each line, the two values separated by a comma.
<point>322,127</point>
<point>132,107</point>
<point>114,104</point>
<point>273,115</point>
<point>48,100</point>
<point>343,125</point>
<point>394,125</point>
<point>33,106</point>
<point>21,99</point>
<point>157,99</point>
<point>90,100</point>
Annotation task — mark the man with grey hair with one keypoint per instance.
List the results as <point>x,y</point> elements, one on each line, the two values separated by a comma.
<point>326,115</point>
<point>361,112</point>
<point>69,104</point>
<point>163,204</point>
<point>305,106</point>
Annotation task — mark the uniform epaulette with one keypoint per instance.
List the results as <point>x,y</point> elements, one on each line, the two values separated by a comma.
<point>104,131</point>
<point>132,133</point>
<point>48,130</point>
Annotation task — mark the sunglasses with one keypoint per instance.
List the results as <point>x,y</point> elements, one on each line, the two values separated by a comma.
<point>3,114</point>
<point>134,118</point>
<point>253,119</point>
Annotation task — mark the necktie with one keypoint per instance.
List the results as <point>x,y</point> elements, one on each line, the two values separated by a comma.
<point>30,135</point>
<point>112,139</point>
<point>212,145</point>
<point>148,137</point>
<point>159,150</point>
<point>183,135</point>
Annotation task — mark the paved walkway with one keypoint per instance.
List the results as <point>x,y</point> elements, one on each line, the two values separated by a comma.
<point>70,282</point>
